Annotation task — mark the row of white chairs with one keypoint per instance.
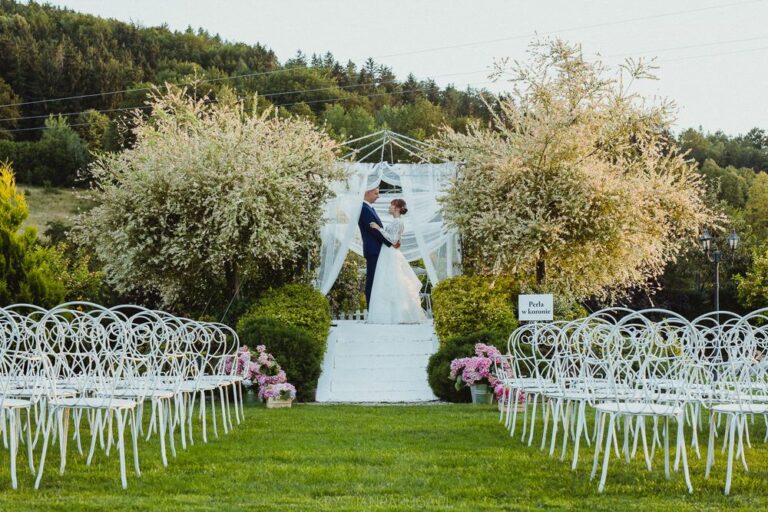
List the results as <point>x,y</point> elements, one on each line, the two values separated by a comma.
<point>81,361</point>
<point>638,371</point>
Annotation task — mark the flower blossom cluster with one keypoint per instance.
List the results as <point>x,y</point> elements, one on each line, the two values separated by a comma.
<point>487,364</point>
<point>263,370</point>
<point>283,391</point>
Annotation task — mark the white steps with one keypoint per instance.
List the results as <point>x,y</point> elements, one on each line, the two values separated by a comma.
<point>377,363</point>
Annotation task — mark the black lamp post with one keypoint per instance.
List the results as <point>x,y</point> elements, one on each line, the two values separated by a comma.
<point>714,255</point>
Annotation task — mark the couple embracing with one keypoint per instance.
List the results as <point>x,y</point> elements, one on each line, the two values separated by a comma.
<point>391,287</point>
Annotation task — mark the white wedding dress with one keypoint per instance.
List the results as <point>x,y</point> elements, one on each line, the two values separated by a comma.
<point>395,292</point>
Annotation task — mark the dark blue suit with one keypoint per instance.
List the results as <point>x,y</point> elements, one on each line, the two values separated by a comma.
<point>372,240</point>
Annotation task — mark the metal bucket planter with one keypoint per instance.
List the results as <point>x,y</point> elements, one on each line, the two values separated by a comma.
<point>481,394</point>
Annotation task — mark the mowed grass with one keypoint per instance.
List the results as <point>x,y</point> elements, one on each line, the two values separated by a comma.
<point>54,204</point>
<point>347,457</point>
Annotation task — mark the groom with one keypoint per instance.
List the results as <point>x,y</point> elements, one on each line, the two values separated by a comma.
<point>372,239</point>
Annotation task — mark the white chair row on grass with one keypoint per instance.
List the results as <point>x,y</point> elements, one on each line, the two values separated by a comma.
<point>638,371</point>
<point>93,368</point>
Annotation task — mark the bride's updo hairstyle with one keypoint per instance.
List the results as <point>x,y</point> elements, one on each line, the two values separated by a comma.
<point>400,204</point>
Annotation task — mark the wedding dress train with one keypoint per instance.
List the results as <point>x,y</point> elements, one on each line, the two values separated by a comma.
<point>395,293</point>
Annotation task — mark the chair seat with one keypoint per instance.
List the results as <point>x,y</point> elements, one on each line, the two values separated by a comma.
<point>33,392</point>
<point>93,403</point>
<point>745,408</point>
<point>220,380</point>
<point>143,393</point>
<point>14,403</point>
<point>639,409</point>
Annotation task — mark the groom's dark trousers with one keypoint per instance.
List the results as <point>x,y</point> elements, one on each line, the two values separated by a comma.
<point>372,240</point>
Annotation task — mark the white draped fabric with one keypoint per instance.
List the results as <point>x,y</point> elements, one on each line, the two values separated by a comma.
<point>425,238</point>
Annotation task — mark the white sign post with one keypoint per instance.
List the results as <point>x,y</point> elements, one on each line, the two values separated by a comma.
<point>535,307</point>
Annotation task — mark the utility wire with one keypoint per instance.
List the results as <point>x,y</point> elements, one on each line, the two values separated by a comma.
<point>265,95</point>
<point>326,100</point>
<point>379,83</point>
<point>569,29</point>
<point>415,52</point>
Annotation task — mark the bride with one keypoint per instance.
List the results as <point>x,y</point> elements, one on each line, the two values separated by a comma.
<point>395,293</point>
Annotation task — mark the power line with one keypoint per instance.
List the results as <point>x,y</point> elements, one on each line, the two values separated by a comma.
<point>353,86</point>
<point>266,95</point>
<point>748,50</point>
<point>570,29</point>
<point>427,50</point>
<point>687,47</point>
<point>327,100</point>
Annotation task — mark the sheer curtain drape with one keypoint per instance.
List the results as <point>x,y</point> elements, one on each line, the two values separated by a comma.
<point>425,237</point>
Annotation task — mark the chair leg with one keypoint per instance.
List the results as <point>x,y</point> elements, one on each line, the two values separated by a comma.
<point>600,426</point>
<point>11,417</point>
<point>30,455</point>
<point>681,450</point>
<point>533,419</point>
<point>732,420</point>
<point>666,448</point>
<point>63,422</point>
<point>95,428</point>
<point>607,454</point>
<point>171,426</point>
<point>202,416</point>
<point>46,436</point>
<point>213,413</point>
<point>135,428</point>
<point>577,436</point>
<point>710,445</point>
<point>160,411</point>
<point>121,446</point>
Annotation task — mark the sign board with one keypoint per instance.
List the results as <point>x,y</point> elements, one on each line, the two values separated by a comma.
<point>535,307</point>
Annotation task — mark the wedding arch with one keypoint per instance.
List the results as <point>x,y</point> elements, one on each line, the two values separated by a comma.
<point>420,184</point>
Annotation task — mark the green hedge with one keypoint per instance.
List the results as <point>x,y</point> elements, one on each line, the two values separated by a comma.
<point>293,348</point>
<point>439,366</point>
<point>468,304</point>
<point>297,305</point>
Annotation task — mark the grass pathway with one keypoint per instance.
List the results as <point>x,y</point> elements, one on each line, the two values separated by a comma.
<point>345,457</point>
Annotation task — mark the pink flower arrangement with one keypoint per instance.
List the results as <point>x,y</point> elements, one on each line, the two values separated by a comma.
<point>471,370</point>
<point>283,391</point>
<point>263,370</point>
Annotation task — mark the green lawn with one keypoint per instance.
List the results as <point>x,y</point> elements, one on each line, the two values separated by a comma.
<point>434,457</point>
<point>54,204</point>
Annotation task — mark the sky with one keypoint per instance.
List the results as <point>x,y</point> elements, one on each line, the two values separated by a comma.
<point>712,55</point>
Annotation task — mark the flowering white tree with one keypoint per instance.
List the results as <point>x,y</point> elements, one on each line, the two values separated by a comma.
<point>207,195</point>
<point>575,184</point>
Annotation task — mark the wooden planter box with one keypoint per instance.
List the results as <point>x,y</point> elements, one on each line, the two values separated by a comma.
<point>277,403</point>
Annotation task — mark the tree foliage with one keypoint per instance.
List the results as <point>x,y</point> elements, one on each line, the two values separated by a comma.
<point>575,176</point>
<point>208,195</point>
<point>753,285</point>
<point>30,272</point>
<point>756,207</point>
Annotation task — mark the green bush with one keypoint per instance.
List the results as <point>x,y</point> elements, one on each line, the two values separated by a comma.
<point>294,350</point>
<point>297,305</point>
<point>468,304</point>
<point>347,293</point>
<point>439,366</point>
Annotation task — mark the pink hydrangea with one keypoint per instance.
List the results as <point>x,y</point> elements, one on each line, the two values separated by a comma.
<point>283,391</point>
<point>487,363</point>
<point>262,370</point>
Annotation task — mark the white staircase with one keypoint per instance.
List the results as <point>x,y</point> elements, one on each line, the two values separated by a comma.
<point>377,363</point>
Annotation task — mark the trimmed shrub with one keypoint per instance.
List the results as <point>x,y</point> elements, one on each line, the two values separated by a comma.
<point>298,305</point>
<point>293,349</point>
<point>468,304</point>
<point>439,366</point>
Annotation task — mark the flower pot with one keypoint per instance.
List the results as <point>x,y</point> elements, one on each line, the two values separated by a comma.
<point>250,397</point>
<point>481,394</point>
<point>278,403</point>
